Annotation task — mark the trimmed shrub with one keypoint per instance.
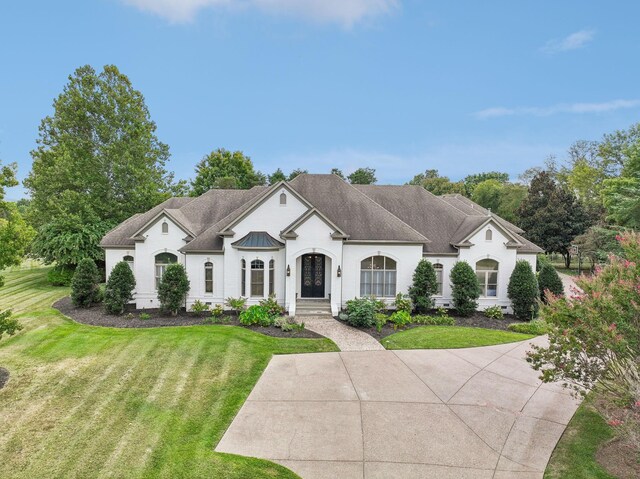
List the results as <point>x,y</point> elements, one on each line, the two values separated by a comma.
<point>542,259</point>
<point>119,290</point>
<point>494,312</point>
<point>400,319</point>
<point>361,312</point>
<point>173,288</point>
<point>465,288</point>
<point>85,289</point>
<point>272,306</point>
<point>424,286</point>
<point>199,308</point>
<point>256,314</point>
<point>549,279</point>
<point>523,291</point>
<point>537,327</point>
<point>433,320</point>
<point>60,276</point>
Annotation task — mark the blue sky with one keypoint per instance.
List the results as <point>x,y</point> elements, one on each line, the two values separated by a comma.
<point>398,85</point>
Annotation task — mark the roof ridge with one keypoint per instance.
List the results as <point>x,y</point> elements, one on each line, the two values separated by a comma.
<point>389,212</point>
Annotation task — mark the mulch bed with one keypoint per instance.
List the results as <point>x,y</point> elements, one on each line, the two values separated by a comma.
<point>4,377</point>
<point>96,316</point>
<point>477,320</point>
<point>620,459</point>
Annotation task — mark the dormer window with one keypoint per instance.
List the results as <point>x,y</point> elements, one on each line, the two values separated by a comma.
<point>283,199</point>
<point>488,236</point>
<point>165,228</point>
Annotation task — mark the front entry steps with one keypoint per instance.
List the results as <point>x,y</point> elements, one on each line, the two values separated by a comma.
<point>313,307</point>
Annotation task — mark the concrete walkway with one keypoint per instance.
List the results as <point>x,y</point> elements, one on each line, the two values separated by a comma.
<point>346,337</point>
<point>465,413</point>
<point>569,283</point>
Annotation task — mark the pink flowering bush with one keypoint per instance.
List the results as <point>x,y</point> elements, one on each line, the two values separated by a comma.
<point>595,327</point>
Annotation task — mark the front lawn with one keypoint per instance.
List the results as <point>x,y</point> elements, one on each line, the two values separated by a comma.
<point>85,401</point>
<point>449,337</point>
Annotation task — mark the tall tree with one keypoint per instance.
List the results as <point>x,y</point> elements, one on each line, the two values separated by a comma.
<point>512,196</point>
<point>276,176</point>
<point>431,181</point>
<point>225,169</point>
<point>471,181</point>
<point>363,176</point>
<point>98,156</point>
<point>295,173</point>
<point>338,172</point>
<point>552,216</point>
<point>488,194</point>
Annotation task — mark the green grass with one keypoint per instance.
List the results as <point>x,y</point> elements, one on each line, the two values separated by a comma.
<point>574,456</point>
<point>449,337</point>
<point>94,402</point>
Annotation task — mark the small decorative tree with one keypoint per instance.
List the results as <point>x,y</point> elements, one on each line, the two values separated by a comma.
<point>8,324</point>
<point>523,291</point>
<point>548,279</point>
<point>119,290</point>
<point>173,288</point>
<point>465,288</point>
<point>424,286</point>
<point>85,290</point>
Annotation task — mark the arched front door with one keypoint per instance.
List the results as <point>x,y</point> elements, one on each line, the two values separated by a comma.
<point>312,276</point>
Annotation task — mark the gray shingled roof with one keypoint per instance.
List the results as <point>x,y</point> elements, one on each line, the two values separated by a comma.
<point>363,212</point>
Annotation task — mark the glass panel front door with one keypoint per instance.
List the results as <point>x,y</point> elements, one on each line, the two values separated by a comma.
<point>312,276</point>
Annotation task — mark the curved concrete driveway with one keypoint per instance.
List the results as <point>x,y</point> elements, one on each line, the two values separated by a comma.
<point>460,413</point>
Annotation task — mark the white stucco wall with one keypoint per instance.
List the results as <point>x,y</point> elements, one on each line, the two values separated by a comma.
<point>196,273</point>
<point>406,257</point>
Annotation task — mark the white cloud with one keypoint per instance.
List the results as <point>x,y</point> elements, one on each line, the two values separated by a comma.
<point>572,42</point>
<point>601,107</point>
<point>343,12</point>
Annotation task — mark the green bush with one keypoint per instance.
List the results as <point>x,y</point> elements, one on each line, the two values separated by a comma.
<point>381,319</point>
<point>217,311</point>
<point>465,288</point>
<point>198,307</point>
<point>85,289</point>
<point>494,312</point>
<point>442,312</point>
<point>173,288</point>
<point>424,286</point>
<point>144,316</point>
<point>379,304</point>
<point>361,312</point>
<point>272,306</point>
<point>403,303</point>
<point>8,324</point>
<point>236,304</point>
<point>119,289</point>
<point>523,291</point>
<point>60,276</point>
<point>537,327</point>
<point>433,320</point>
<point>256,314</point>
<point>400,319</point>
<point>548,279</point>
<point>542,260</point>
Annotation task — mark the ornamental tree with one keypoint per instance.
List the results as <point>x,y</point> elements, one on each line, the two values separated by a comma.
<point>596,327</point>
<point>8,324</point>
<point>549,280</point>
<point>465,288</point>
<point>523,291</point>
<point>424,286</point>
<point>85,289</point>
<point>173,288</point>
<point>119,290</point>
<point>223,169</point>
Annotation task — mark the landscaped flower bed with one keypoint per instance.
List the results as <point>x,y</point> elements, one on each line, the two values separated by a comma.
<point>153,318</point>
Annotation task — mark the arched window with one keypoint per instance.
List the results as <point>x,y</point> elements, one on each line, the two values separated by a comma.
<point>378,277</point>
<point>208,277</point>
<point>165,228</point>
<point>243,276</point>
<point>271,277</point>
<point>283,199</point>
<point>129,260</point>
<point>257,278</point>
<point>488,236</point>
<point>487,273</point>
<point>439,273</point>
<point>162,261</point>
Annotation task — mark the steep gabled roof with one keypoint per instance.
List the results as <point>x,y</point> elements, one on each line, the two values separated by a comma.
<point>352,211</point>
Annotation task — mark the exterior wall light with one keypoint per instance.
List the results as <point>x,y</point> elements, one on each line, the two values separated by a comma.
<point>339,271</point>
<point>288,270</point>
